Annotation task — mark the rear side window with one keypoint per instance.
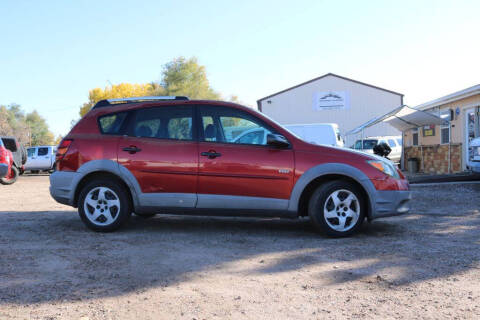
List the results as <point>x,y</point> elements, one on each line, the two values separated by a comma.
<point>31,152</point>
<point>42,151</point>
<point>10,144</point>
<point>112,123</point>
<point>174,122</point>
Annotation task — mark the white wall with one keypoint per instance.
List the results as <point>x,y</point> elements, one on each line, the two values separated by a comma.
<point>295,106</point>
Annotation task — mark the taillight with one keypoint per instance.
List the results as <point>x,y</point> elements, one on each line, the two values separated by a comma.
<point>3,155</point>
<point>62,149</point>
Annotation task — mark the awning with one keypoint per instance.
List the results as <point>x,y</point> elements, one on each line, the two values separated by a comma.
<point>403,118</point>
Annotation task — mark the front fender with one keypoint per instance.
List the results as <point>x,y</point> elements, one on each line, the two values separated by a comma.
<point>336,169</point>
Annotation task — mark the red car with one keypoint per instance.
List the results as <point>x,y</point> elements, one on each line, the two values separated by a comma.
<point>154,155</point>
<point>7,173</point>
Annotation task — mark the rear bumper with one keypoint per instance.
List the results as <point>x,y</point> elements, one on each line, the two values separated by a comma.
<point>3,170</point>
<point>390,203</point>
<point>62,186</point>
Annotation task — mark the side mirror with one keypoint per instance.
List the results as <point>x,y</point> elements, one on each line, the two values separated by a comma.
<point>277,140</point>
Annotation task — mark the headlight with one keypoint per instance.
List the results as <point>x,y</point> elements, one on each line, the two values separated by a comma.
<point>385,167</point>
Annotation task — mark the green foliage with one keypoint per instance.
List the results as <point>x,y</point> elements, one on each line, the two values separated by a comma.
<point>180,77</point>
<point>29,129</point>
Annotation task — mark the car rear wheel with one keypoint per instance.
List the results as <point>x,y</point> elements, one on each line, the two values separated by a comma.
<point>337,208</point>
<point>104,205</point>
<point>11,177</point>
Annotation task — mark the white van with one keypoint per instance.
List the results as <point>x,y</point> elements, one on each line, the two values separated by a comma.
<point>318,133</point>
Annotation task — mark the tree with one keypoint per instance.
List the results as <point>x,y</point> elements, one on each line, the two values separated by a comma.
<point>39,133</point>
<point>180,77</point>
<point>122,90</point>
<point>30,129</point>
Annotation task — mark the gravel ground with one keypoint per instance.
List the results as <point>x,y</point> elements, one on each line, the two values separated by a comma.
<point>422,265</point>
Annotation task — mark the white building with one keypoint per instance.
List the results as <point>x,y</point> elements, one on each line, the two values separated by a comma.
<point>332,98</point>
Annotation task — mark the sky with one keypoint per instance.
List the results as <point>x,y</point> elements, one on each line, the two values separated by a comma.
<point>53,52</point>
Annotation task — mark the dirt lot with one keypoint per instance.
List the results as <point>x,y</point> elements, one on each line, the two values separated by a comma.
<point>423,265</point>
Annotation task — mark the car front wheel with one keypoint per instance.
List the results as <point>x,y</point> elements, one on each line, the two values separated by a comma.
<point>337,208</point>
<point>104,205</point>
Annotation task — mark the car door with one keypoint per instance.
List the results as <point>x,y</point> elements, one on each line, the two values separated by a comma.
<point>237,173</point>
<point>161,152</point>
<point>43,158</point>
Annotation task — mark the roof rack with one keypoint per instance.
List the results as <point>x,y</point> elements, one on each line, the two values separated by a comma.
<point>110,102</point>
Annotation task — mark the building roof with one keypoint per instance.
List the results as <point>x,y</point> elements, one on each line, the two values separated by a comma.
<point>465,93</point>
<point>326,75</point>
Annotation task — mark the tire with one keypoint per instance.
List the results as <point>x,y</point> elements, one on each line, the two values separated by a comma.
<point>337,208</point>
<point>7,180</point>
<point>102,200</point>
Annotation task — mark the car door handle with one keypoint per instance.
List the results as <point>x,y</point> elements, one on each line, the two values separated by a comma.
<point>211,154</point>
<point>132,149</point>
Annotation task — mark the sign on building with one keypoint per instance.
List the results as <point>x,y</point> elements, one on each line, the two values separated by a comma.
<point>331,100</point>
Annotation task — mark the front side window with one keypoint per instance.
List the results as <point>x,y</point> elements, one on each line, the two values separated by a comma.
<point>174,123</point>
<point>228,125</point>
<point>391,143</point>
<point>30,152</point>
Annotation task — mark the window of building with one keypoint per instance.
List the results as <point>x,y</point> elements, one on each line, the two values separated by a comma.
<point>415,137</point>
<point>445,134</point>
<point>445,129</point>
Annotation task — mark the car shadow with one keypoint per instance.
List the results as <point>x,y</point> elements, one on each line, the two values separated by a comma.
<point>55,258</point>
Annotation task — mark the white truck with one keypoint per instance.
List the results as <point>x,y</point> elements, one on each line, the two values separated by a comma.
<point>40,158</point>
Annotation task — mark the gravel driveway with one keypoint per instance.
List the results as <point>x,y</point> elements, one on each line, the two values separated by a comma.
<point>422,265</point>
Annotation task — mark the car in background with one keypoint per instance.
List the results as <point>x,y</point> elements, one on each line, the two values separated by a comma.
<point>474,163</point>
<point>40,158</point>
<point>318,133</point>
<point>151,155</point>
<point>19,155</point>
<point>7,175</point>
<point>394,142</point>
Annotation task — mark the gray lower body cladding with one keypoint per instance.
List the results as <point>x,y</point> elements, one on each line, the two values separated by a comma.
<point>63,188</point>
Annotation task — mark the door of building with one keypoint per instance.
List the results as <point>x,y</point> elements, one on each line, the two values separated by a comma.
<point>472,131</point>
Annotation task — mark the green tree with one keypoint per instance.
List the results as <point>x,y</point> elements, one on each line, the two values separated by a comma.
<point>39,133</point>
<point>180,77</point>
<point>185,77</point>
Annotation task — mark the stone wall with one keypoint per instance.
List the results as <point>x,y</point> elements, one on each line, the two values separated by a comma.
<point>435,158</point>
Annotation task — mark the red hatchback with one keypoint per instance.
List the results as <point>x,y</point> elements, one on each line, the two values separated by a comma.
<point>7,173</point>
<point>154,155</point>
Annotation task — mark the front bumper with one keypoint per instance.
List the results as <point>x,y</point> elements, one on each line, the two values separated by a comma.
<point>390,203</point>
<point>475,166</point>
<point>3,170</point>
<point>62,186</point>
